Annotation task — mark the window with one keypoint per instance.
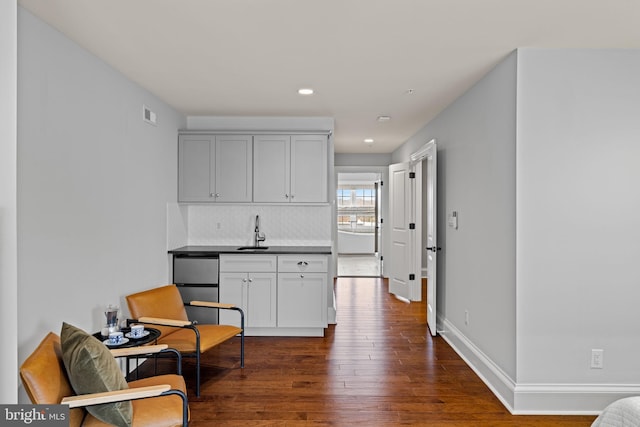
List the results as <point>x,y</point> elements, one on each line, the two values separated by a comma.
<point>357,208</point>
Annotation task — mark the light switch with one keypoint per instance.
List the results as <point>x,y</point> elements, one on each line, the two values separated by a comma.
<point>452,220</point>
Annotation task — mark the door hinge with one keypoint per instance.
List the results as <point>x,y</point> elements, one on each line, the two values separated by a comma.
<point>381,183</point>
<point>412,226</point>
<point>412,175</point>
<point>412,277</point>
<point>381,220</point>
<point>381,258</point>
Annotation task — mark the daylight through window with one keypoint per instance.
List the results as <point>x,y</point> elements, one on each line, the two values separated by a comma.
<point>356,208</point>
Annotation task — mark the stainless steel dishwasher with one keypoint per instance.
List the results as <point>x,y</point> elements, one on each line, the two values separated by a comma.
<point>196,276</point>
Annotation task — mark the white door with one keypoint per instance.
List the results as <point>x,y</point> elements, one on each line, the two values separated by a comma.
<point>432,242</point>
<point>401,236</point>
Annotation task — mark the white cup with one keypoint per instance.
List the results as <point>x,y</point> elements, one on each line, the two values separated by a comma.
<point>115,338</point>
<point>137,331</point>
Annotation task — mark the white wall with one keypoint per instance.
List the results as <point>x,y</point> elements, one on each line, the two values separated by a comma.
<point>94,182</point>
<point>355,243</point>
<point>372,159</point>
<point>578,223</point>
<point>8,203</point>
<point>211,224</point>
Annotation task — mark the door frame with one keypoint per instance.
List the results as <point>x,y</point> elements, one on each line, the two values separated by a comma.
<point>383,248</point>
<point>417,159</point>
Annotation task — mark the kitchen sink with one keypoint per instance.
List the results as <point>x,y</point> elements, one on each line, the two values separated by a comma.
<point>252,248</point>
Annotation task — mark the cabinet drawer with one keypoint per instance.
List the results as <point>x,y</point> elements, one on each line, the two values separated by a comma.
<point>302,263</point>
<point>248,263</point>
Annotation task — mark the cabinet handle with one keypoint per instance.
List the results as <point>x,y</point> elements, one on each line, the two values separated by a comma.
<point>250,280</point>
<point>286,196</point>
<point>292,196</point>
<point>302,276</point>
<point>301,263</point>
<point>215,195</point>
<point>244,280</point>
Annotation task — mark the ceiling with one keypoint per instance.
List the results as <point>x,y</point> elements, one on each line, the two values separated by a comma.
<point>406,59</point>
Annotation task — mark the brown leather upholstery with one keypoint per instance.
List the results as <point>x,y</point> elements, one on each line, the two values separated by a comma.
<point>166,302</point>
<point>45,380</point>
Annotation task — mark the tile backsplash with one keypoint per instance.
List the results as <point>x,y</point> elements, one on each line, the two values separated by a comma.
<point>282,225</point>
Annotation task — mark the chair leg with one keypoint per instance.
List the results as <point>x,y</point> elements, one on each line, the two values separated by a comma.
<point>198,373</point>
<point>242,349</point>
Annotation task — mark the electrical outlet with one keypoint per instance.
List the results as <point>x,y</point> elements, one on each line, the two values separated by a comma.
<point>597,358</point>
<point>466,317</point>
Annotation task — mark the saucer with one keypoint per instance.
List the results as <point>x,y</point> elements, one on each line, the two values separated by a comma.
<point>144,334</point>
<point>107,342</point>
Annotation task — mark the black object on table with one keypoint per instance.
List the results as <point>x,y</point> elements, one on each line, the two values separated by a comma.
<point>133,342</point>
<point>151,337</point>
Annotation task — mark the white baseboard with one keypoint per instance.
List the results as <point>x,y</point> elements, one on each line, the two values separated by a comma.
<point>498,382</point>
<point>534,399</point>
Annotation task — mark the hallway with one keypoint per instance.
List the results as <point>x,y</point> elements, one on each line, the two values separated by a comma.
<point>377,367</point>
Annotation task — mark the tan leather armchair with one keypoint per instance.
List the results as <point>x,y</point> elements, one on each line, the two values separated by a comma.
<point>163,308</point>
<point>157,401</point>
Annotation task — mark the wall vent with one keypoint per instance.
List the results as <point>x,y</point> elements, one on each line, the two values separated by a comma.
<point>149,116</point>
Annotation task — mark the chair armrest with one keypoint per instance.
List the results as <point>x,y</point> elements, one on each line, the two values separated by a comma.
<point>135,351</point>
<point>115,396</point>
<point>165,322</point>
<point>211,304</point>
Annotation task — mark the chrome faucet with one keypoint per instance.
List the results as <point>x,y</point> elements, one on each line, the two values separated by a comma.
<point>258,237</point>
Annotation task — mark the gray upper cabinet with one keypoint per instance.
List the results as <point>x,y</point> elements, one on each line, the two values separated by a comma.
<point>290,168</point>
<point>215,168</point>
<point>271,176</point>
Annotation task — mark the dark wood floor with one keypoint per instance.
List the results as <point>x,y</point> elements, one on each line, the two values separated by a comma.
<point>377,367</point>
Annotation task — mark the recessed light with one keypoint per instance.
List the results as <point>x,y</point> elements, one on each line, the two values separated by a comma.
<point>384,118</point>
<point>369,142</point>
<point>305,91</point>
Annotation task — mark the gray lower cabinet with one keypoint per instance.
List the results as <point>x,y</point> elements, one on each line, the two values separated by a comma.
<point>283,295</point>
<point>249,282</point>
<point>300,297</point>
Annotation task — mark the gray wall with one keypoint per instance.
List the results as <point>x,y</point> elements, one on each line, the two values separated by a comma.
<point>540,160</point>
<point>476,177</point>
<point>578,222</point>
<point>8,203</point>
<point>94,182</point>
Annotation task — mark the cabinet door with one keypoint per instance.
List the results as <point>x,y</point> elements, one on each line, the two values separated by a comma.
<point>261,300</point>
<point>302,300</point>
<point>309,168</point>
<point>196,154</point>
<point>232,291</point>
<point>271,173</point>
<point>233,168</point>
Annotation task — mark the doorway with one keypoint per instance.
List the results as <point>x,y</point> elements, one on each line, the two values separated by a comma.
<point>358,201</point>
